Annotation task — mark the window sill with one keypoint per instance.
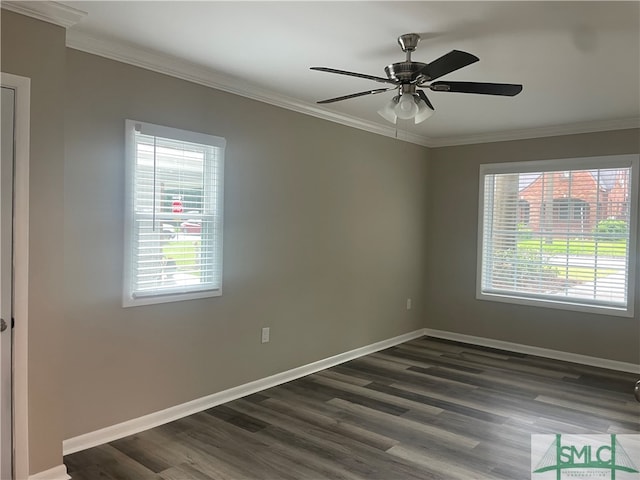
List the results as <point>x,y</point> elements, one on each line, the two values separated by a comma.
<point>615,311</point>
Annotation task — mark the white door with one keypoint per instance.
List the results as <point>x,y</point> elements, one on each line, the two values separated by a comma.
<point>6,280</point>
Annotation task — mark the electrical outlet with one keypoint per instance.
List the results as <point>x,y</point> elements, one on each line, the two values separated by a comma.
<point>265,334</point>
<point>408,304</point>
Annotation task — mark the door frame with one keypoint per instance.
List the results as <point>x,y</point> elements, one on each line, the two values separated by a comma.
<point>22,87</point>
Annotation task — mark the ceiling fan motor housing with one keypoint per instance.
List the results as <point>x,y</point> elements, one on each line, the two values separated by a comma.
<point>406,72</point>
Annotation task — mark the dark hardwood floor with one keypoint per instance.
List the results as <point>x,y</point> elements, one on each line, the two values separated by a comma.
<point>425,409</point>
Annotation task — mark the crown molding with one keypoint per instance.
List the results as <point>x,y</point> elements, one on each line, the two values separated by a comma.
<point>52,12</point>
<point>541,132</point>
<point>179,68</point>
<point>191,72</point>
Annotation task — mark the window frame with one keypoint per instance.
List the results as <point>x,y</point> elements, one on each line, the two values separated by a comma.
<point>559,165</point>
<point>129,299</point>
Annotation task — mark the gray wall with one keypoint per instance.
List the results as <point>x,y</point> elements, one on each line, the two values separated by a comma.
<point>36,49</point>
<point>324,241</point>
<point>453,224</point>
<point>327,231</point>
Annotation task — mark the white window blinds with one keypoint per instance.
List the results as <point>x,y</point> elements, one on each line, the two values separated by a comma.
<point>561,236</point>
<point>174,232</point>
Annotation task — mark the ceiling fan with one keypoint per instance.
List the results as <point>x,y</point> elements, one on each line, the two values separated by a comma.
<point>409,78</point>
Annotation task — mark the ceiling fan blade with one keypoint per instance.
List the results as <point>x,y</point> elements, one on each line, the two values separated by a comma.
<point>506,89</point>
<point>423,96</point>
<point>353,74</point>
<point>448,63</point>
<point>354,95</point>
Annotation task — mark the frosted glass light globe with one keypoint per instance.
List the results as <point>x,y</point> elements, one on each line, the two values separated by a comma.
<point>407,107</point>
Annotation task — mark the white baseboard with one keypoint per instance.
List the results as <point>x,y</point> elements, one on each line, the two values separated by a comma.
<point>55,473</point>
<point>537,351</point>
<point>130,427</point>
<point>136,425</point>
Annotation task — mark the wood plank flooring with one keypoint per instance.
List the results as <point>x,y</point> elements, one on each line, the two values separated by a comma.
<point>425,409</point>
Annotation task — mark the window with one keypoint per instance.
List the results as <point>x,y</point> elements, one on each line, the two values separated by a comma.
<point>571,209</point>
<point>560,233</point>
<point>524,212</point>
<point>173,229</point>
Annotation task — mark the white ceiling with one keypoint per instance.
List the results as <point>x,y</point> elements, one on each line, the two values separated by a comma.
<point>579,62</point>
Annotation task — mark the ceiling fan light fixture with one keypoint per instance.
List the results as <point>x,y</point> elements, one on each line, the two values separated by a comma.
<point>424,111</point>
<point>407,107</point>
<point>388,112</point>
